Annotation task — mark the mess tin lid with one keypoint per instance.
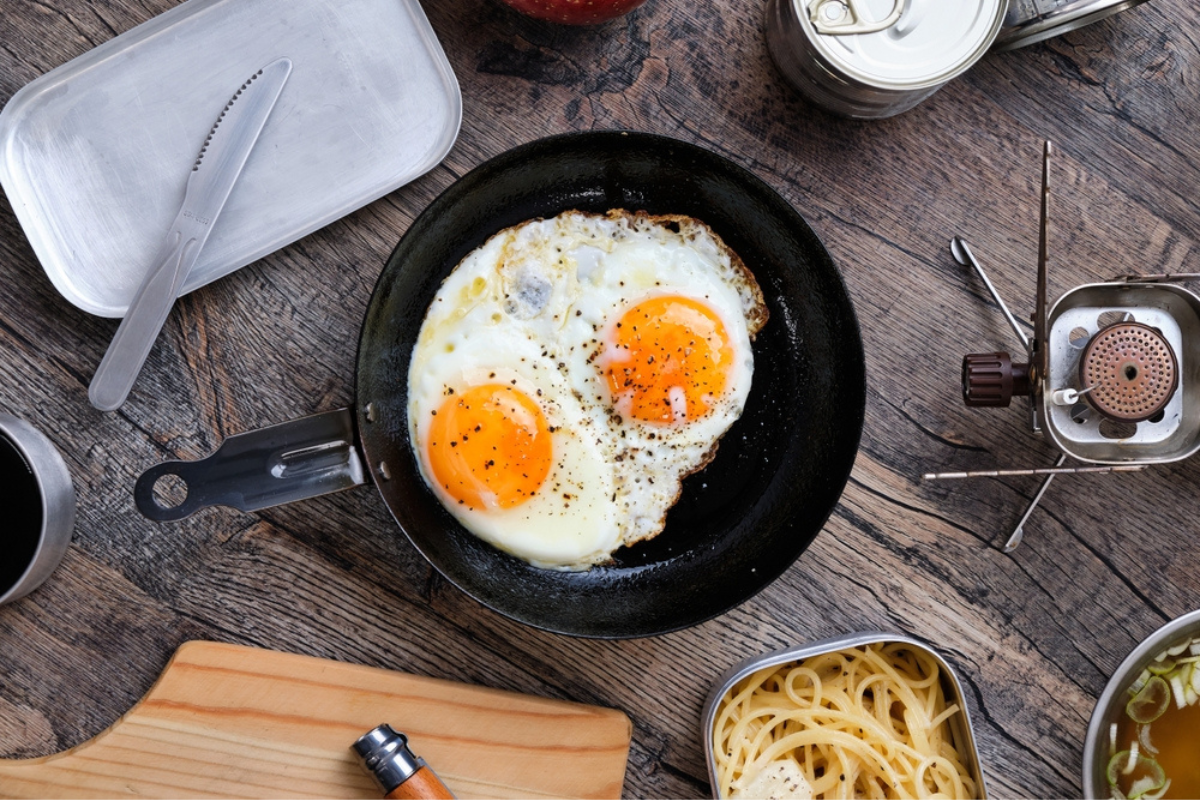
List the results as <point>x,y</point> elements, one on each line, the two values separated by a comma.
<point>901,44</point>
<point>95,154</point>
<point>1032,21</point>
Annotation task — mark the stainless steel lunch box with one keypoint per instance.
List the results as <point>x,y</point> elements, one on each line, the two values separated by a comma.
<point>869,67</point>
<point>960,723</point>
<point>1115,695</point>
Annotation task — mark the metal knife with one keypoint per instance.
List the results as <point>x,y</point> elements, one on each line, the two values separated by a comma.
<point>217,168</point>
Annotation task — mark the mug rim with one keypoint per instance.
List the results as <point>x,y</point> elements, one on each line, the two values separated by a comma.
<point>56,495</point>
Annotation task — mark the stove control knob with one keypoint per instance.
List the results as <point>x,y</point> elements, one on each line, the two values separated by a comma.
<point>992,379</point>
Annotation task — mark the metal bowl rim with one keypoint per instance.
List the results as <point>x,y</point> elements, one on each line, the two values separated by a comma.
<point>1122,677</point>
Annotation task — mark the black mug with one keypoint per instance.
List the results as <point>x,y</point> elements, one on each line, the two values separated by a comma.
<point>39,508</point>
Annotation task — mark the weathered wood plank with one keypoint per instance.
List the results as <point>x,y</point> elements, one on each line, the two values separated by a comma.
<point>1033,636</point>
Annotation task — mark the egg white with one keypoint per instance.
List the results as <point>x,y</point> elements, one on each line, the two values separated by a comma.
<point>645,260</point>
<point>536,304</point>
<point>570,522</point>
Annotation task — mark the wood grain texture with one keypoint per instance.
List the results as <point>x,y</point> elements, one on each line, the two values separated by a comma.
<point>233,721</point>
<point>1033,636</point>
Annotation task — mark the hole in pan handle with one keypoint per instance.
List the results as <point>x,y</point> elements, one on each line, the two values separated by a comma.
<point>271,466</point>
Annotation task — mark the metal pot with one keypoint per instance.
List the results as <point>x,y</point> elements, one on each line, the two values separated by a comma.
<point>40,513</point>
<point>740,522</point>
<point>1111,704</point>
<point>1030,21</point>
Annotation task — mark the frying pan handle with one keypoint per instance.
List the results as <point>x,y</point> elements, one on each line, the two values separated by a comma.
<point>295,460</point>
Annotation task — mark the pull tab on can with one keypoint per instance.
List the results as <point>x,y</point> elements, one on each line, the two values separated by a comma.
<point>846,17</point>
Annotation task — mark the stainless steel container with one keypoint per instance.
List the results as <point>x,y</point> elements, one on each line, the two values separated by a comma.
<point>39,510</point>
<point>93,150</point>
<point>869,59</point>
<point>960,723</point>
<point>1086,430</point>
<point>1116,694</point>
<point>1032,21</point>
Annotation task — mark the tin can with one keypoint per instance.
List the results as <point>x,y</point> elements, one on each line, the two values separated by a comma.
<point>1032,21</point>
<point>869,59</point>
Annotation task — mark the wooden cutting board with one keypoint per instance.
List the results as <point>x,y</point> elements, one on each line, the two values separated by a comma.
<point>231,721</point>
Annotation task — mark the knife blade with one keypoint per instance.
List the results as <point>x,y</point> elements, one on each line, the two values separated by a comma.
<point>213,175</point>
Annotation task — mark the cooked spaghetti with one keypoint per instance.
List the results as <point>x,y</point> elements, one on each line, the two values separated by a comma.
<point>869,722</point>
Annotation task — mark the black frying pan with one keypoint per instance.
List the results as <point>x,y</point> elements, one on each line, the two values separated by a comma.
<point>739,523</point>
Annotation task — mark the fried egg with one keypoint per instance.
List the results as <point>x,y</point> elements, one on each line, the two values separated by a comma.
<point>571,371</point>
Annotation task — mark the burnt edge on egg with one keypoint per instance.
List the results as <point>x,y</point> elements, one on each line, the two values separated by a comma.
<point>755,310</point>
<point>757,314</point>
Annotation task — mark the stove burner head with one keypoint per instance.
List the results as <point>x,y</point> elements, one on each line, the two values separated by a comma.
<point>1132,371</point>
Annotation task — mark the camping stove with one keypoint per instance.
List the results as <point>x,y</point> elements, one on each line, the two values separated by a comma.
<point>1120,384</point>
<point>1112,371</point>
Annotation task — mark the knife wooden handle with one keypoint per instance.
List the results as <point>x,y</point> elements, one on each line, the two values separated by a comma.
<point>423,784</point>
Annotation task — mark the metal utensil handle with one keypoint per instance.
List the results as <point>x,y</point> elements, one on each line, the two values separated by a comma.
<point>847,17</point>
<point>145,318</point>
<point>1018,533</point>
<point>295,460</point>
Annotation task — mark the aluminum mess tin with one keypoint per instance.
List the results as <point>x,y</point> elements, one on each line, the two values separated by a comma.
<point>1032,21</point>
<point>870,59</point>
<point>95,154</point>
<point>960,724</point>
<point>1111,704</point>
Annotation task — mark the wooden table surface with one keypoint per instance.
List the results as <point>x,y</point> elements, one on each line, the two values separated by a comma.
<point>1033,635</point>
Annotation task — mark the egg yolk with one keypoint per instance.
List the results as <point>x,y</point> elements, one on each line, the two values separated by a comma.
<point>669,357</point>
<point>489,447</point>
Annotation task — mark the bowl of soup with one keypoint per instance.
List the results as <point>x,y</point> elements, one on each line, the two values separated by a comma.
<point>1144,734</point>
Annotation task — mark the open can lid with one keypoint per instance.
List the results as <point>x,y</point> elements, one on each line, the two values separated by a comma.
<point>901,44</point>
<point>1032,21</point>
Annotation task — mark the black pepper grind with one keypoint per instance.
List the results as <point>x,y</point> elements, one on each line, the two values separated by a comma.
<point>384,753</point>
